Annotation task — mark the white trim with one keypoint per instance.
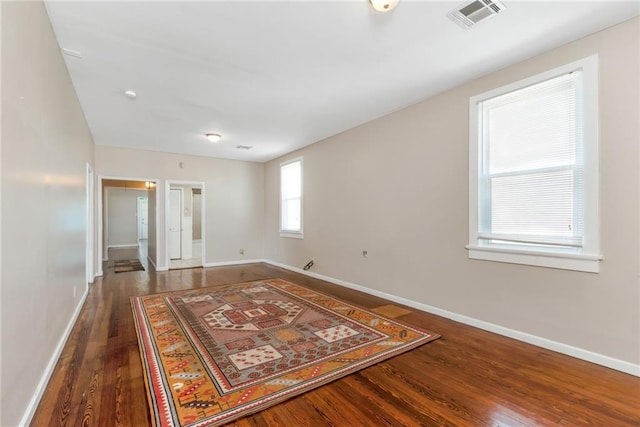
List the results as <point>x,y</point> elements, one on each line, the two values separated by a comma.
<point>291,235</point>
<point>296,234</point>
<point>90,272</point>
<point>46,375</point>
<point>154,265</point>
<point>589,356</point>
<point>203,218</point>
<point>590,246</point>
<point>589,263</point>
<point>132,245</point>
<point>238,262</point>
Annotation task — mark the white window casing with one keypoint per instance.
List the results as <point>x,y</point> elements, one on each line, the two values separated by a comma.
<point>291,192</point>
<point>534,170</point>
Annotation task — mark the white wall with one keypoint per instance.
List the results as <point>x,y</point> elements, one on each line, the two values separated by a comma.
<point>398,187</point>
<point>45,148</point>
<point>233,193</point>
<point>122,216</point>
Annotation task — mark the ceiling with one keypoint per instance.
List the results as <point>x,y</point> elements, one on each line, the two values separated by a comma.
<point>280,75</point>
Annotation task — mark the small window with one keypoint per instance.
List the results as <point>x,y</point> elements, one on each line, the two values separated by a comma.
<point>533,192</point>
<point>291,198</point>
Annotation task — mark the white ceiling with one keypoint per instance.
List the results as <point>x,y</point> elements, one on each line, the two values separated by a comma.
<point>281,75</point>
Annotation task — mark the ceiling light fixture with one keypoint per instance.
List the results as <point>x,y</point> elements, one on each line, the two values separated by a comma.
<point>213,137</point>
<point>71,52</point>
<point>130,94</point>
<point>383,5</point>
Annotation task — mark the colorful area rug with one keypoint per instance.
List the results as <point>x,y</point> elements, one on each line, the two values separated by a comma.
<point>126,265</point>
<point>216,354</point>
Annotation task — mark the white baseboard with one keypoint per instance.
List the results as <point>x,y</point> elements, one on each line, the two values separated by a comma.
<point>133,245</point>
<point>46,375</point>
<point>580,353</point>
<point>154,265</point>
<point>237,262</point>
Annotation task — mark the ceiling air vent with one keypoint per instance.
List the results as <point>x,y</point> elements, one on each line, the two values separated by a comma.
<point>470,13</point>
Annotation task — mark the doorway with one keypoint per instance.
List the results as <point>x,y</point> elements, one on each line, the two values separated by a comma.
<point>185,224</point>
<point>124,220</point>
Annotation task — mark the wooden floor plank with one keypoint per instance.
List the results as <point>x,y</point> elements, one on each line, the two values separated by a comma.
<point>468,377</point>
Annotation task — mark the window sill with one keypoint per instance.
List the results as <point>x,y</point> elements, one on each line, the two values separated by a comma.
<point>291,234</point>
<point>564,261</point>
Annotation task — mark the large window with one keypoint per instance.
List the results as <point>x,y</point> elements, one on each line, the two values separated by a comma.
<point>291,198</point>
<point>533,195</point>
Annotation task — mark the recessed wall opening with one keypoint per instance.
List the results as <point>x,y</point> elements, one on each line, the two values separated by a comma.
<point>185,224</point>
<point>125,220</point>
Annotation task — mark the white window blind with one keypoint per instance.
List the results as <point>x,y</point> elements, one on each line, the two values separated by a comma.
<point>291,197</point>
<point>532,168</point>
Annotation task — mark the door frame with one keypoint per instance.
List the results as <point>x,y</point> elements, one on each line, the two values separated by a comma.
<point>90,229</point>
<point>203,217</point>
<point>100,220</point>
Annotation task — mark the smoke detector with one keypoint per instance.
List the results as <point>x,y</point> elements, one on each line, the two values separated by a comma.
<point>469,14</point>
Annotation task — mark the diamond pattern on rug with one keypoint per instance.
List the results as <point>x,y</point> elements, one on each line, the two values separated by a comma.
<point>212,355</point>
<point>336,333</point>
<point>252,315</point>
<point>256,356</point>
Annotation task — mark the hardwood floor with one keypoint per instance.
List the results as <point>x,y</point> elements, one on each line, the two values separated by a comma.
<point>467,377</point>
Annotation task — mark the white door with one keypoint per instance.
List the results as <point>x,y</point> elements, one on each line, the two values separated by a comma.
<point>175,223</point>
<point>143,213</point>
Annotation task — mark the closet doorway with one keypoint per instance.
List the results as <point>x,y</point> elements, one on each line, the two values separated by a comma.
<point>185,224</point>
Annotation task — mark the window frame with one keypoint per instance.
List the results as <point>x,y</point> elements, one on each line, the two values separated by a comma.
<point>587,257</point>
<point>295,234</point>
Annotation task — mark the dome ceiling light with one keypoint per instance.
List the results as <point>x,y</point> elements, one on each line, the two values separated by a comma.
<point>383,5</point>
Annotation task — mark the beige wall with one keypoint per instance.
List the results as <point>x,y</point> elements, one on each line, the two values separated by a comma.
<point>197,214</point>
<point>398,187</point>
<point>122,216</point>
<point>233,192</point>
<point>45,148</point>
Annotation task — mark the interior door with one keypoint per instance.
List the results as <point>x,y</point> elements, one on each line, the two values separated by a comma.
<point>143,212</point>
<point>175,223</point>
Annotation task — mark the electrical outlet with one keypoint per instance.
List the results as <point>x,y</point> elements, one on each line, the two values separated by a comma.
<point>365,253</point>
<point>241,251</point>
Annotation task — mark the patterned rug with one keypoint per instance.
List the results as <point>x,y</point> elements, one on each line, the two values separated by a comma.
<point>216,354</point>
<point>126,265</point>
